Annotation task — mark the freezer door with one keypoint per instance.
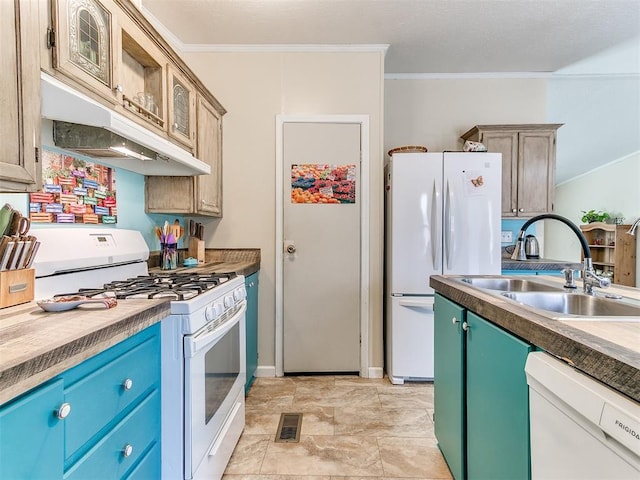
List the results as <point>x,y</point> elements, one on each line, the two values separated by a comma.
<point>409,338</point>
<point>413,220</point>
<point>472,213</point>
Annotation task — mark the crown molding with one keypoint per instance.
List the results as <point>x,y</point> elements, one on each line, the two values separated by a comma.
<point>466,76</point>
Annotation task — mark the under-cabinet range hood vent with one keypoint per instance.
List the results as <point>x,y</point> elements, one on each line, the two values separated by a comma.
<point>82,125</point>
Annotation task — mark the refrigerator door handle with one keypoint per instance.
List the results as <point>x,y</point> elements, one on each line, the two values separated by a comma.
<point>436,240</point>
<point>449,227</point>
<point>414,302</point>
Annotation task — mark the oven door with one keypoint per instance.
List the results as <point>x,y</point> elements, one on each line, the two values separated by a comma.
<point>215,373</point>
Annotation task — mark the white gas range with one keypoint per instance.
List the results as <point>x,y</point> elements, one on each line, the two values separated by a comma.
<point>203,339</point>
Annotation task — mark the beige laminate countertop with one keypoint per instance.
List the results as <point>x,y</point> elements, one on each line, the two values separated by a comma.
<point>35,345</point>
<point>243,261</point>
<point>608,351</point>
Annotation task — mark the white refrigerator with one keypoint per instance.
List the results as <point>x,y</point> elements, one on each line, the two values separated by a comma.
<point>443,216</point>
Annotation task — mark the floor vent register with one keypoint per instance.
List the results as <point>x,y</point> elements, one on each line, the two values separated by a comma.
<point>289,428</point>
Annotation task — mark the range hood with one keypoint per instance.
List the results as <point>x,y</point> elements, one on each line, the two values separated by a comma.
<point>85,126</point>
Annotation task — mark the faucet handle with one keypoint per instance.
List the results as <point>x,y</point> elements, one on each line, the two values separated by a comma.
<point>570,277</point>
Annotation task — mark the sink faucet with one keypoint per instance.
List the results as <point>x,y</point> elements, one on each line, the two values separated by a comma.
<point>589,277</point>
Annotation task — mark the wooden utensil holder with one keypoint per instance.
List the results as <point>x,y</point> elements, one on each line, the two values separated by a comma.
<point>196,249</point>
<point>16,286</point>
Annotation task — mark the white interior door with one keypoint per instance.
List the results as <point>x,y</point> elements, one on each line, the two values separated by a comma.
<point>321,242</point>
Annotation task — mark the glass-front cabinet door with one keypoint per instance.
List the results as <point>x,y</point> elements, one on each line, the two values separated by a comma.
<point>84,45</point>
<point>182,108</point>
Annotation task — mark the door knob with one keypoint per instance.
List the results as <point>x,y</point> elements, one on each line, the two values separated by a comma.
<point>291,249</point>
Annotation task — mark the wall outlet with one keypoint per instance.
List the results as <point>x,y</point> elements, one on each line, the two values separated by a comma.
<point>507,236</point>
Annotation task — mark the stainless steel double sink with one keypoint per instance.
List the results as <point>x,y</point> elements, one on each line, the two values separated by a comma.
<point>556,302</point>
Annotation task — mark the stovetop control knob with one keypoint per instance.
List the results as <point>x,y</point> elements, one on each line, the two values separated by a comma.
<point>239,294</point>
<point>210,313</point>
<point>228,301</point>
<point>219,309</point>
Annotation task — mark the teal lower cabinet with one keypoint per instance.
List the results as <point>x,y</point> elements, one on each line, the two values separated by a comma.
<point>251,285</point>
<point>32,435</point>
<point>481,396</point>
<point>99,419</point>
<point>449,384</point>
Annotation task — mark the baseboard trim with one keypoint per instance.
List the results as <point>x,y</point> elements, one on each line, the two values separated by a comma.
<point>270,371</point>
<point>266,371</point>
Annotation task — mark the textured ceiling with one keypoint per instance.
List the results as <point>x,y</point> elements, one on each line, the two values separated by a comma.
<point>424,36</point>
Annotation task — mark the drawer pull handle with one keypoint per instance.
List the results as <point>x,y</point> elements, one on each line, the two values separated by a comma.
<point>127,450</point>
<point>127,384</point>
<point>63,411</point>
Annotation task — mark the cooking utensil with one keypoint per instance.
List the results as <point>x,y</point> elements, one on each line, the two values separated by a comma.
<point>8,250</point>
<point>16,254</point>
<point>32,254</point>
<point>6,212</point>
<point>61,304</point>
<point>22,259</point>
<point>19,225</point>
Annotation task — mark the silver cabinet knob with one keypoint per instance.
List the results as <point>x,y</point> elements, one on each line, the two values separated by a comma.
<point>127,450</point>
<point>521,210</point>
<point>513,210</point>
<point>118,88</point>
<point>127,384</point>
<point>454,320</point>
<point>291,249</point>
<point>465,326</point>
<point>63,411</point>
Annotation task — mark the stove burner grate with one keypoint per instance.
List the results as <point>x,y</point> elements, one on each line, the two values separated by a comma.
<point>177,286</point>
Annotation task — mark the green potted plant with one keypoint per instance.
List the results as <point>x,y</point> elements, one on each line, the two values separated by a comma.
<point>594,216</point>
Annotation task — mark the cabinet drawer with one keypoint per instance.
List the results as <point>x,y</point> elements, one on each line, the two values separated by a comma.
<point>139,430</point>
<point>31,435</point>
<point>108,387</point>
<point>149,467</point>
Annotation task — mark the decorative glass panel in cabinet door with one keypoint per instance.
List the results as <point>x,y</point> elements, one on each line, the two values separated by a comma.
<point>180,108</point>
<point>89,30</point>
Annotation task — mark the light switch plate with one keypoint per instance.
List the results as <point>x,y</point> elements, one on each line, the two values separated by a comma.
<point>507,236</point>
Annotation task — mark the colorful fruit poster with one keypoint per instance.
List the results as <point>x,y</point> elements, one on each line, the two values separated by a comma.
<point>74,190</point>
<point>323,183</point>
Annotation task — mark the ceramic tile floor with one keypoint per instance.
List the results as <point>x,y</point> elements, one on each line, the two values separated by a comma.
<point>352,429</point>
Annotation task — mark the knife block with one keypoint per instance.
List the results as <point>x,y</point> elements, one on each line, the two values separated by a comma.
<point>196,249</point>
<point>16,286</point>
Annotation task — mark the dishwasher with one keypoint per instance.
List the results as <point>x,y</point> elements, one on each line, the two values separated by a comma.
<point>580,428</point>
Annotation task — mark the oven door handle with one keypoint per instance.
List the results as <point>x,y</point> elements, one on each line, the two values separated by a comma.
<point>201,341</point>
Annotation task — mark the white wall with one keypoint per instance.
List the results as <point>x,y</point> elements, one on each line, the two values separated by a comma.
<point>612,188</point>
<point>254,88</point>
<point>435,112</point>
<point>598,100</point>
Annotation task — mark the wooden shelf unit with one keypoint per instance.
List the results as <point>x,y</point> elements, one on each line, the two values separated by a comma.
<point>613,251</point>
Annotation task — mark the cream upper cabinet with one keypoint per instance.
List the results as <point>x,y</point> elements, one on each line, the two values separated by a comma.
<point>209,150</point>
<point>528,164</point>
<point>181,107</point>
<point>202,194</point>
<point>19,96</point>
<point>84,44</point>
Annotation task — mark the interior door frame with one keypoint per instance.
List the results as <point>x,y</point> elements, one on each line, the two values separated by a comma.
<point>363,121</point>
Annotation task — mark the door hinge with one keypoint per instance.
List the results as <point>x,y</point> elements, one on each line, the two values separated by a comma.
<point>37,155</point>
<point>51,37</point>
